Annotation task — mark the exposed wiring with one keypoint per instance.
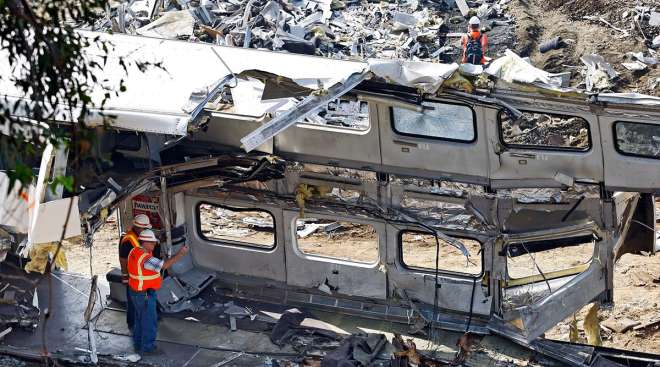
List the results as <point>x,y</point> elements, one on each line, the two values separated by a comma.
<point>431,333</point>
<point>537,267</point>
<point>469,323</point>
<point>645,226</point>
<point>71,286</point>
<point>91,256</point>
<point>435,287</point>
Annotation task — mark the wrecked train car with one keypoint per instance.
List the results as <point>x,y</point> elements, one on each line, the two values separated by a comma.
<point>364,189</point>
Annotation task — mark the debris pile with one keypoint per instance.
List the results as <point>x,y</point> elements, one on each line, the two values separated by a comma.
<point>633,322</point>
<point>339,29</point>
<point>329,349</point>
<point>592,45</point>
<point>19,305</point>
<point>605,45</point>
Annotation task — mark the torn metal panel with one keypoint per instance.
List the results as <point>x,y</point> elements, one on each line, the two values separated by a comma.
<point>248,101</point>
<point>519,216</point>
<point>512,68</point>
<point>627,99</point>
<point>424,76</point>
<point>172,25</point>
<point>537,318</point>
<point>168,112</point>
<point>463,7</point>
<point>303,109</point>
<point>199,99</point>
<point>178,292</point>
<point>638,237</point>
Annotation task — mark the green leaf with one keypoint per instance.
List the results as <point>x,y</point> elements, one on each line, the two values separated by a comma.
<point>65,181</point>
<point>21,174</point>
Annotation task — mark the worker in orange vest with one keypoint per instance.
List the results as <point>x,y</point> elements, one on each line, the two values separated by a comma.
<point>128,242</point>
<point>143,281</point>
<point>475,44</point>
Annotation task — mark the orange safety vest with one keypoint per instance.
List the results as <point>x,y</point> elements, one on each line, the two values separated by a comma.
<point>139,278</point>
<point>132,238</point>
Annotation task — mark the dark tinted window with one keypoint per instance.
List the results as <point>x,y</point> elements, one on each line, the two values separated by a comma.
<point>638,139</point>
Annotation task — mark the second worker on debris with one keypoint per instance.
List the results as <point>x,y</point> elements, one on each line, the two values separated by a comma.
<point>475,44</point>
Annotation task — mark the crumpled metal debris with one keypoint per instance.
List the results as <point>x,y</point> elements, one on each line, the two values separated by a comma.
<point>656,42</point>
<point>599,73</point>
<point>513,68</point>
<point>178,293</point>
<point>648,60</point>
<point>634,65</point>
<point>427,77</point>
<point>329,28</point>
<point>174,24</point>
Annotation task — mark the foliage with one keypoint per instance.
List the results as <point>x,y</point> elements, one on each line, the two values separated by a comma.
<point>51,70</point>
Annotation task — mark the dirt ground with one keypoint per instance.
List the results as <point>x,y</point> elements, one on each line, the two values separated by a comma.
<point>105,252</point>
<point>636,279</point>
<point>538,21</point>
<point>636,297</point>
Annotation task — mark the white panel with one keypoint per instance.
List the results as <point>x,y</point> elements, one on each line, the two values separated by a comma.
<point>51,218</point>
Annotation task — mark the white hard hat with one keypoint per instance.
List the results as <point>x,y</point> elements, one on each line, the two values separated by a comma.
<point>475,21</point>
<point>147,236</point>
<point>141,221</point>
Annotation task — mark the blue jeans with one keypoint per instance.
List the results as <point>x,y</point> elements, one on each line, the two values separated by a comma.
<point>145,325</point>
<point>130,312</point>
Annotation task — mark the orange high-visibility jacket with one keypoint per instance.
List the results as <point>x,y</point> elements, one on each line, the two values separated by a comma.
<point>132,238</point>
<point>139,278</point>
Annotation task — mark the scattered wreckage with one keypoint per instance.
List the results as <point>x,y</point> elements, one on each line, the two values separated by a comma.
<point>457,205</point>
<point>411,29</point>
